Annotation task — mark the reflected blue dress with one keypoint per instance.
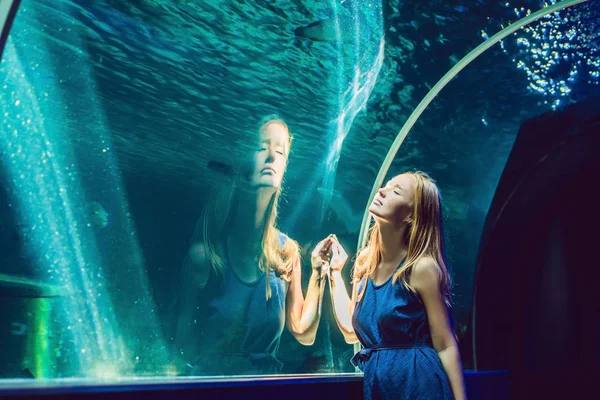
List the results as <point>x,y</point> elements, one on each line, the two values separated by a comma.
<point>398,359</point>
<point>239,330</point>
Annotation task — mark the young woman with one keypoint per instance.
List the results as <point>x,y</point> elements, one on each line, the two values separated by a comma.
<point>241,279</point>
<point>399,309</point>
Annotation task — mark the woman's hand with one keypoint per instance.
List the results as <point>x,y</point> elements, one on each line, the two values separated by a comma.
<point>322,253</point>
<point>343,305</point>
<point>338,255</point>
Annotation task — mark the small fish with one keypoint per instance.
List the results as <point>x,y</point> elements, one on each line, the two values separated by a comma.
<point>97,215</point>
<point>242,169</point>
<point>328,30</point>
<point>18,329</point>
<point>25,374</point>
<point>221,167</point>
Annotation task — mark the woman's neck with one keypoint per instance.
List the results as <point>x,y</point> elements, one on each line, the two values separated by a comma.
<point>247,226</point>
<point>392,244</point>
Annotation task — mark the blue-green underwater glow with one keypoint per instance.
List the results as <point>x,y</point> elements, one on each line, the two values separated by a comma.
<point>120,119</point>
<point>63,226</point>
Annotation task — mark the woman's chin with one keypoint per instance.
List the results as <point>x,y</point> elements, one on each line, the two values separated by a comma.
<point>374,211</point>
<point>264,186</point>
<point>267,181</point>
<point>376,214</point>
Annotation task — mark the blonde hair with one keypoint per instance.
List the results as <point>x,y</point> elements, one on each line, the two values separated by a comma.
<point>424,237</point>
<point>276,255</point>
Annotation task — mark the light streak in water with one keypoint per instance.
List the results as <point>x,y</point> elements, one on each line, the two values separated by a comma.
<point>48,192</point>
<point>104,324</point>
<point>359,47</point>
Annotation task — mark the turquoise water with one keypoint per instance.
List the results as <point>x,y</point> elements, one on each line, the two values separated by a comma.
<point>118,121</point>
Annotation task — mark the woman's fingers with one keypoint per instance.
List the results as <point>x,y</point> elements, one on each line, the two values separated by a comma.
<point>339,250</point>
<point>323,247</point>
<point>320,245</point>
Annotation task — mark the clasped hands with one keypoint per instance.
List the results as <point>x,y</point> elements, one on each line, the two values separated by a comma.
<point>328,256</point>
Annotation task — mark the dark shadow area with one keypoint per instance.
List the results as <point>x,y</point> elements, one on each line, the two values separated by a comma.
<point>536,309</point>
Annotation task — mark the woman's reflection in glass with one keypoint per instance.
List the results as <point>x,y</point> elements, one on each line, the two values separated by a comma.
<point>242,276</point>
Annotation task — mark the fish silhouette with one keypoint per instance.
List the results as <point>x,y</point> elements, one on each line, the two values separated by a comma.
<point>18,329</point>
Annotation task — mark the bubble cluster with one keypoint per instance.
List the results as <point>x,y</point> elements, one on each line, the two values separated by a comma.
<point>558,51</point>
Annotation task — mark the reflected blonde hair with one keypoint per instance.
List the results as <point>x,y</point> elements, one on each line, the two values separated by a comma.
<point>275,255</point>
<point>424,236</point>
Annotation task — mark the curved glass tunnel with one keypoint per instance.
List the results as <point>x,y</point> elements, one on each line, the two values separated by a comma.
<point>120,122</point>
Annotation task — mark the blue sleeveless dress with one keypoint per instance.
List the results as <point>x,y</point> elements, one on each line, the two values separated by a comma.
<point>239,330</point>
<point>398,359</point>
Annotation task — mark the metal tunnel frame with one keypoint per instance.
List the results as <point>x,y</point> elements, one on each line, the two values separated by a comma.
<point>8,10</point>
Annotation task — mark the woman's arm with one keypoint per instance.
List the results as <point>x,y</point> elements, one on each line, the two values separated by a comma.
<point>303,315</point>
<point>343,305</point>
<point>425,278</point>
<point>194,273</point>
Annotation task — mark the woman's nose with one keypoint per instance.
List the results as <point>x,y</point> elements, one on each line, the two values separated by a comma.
<point>381,192</point>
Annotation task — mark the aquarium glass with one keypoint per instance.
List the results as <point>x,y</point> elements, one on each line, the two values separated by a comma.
<point>123,122</point>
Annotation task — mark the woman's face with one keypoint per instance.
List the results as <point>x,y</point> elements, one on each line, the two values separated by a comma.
<point>270,159</point>
<point>394,202</point>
